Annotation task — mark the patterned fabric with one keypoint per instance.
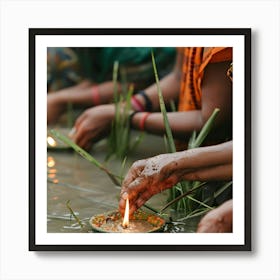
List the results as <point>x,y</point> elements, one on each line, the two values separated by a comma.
<point>63,68</point>
<point>68,66</point>
<point>195,60</point>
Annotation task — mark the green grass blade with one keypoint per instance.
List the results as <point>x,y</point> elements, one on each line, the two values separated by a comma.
<point>85,155</point>
<point>205,130</point>
<point>182,196</point>
<point>163,110</point>
<point>73,214</point>
<point>200,202</point>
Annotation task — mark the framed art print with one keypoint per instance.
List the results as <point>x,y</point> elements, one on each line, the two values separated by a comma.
<point>79,159</point>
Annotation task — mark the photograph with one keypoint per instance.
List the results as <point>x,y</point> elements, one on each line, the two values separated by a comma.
<point>140,139</point>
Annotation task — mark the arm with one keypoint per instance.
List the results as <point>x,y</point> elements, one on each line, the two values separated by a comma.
<point>216,93</point>
<point>170,86</point>
<point>80,95</point>
<point>94,123</point>
<point>151,176</point>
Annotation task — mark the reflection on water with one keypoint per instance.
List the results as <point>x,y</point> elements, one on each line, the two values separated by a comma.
<point>91,192</point>
<point>51,162</point>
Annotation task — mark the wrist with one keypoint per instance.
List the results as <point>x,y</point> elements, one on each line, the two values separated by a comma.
<point>62,97</point>
<point>141,102</point>
<point>139,120</point>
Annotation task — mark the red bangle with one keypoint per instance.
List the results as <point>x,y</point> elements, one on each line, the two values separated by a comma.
<point>95,95</point>
<point>136,104</point>
<point>143,120</point>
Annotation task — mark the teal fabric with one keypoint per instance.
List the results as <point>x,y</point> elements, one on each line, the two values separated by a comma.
<point>96,64</point>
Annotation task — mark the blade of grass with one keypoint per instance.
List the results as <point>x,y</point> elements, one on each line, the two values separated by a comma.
<point>151,208</point>
<point>200,202</point>
<point>73,214</point>
<point>115,80</point>
<point>193,214</point>
<point>181,196</point>
<point>85,155</point>
<point>163,109</point>
<point>205,130</point>
<point>170,140</point>
<point>220,191</point>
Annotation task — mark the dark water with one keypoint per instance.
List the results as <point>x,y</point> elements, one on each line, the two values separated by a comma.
<point>91,192</point>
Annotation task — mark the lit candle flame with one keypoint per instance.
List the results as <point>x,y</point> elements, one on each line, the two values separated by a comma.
<point>125,222</point>
<point>51,141</point>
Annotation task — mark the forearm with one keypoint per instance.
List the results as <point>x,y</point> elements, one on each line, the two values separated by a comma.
<point>202,157</point>
<point>88,95</point>
<point>221,172</point>
<point>170,87</point>
<point>182,123</point>
<point>202,164</point>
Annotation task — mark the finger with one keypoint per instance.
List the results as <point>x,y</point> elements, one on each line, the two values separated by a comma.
<point>136,187</point>
<point>88,146</point>
<point>72,132</point>
<point>134,193</point>
<point>80,119</point>
<point>132,209</point>
<point>131,192</point>
<point>143,198</point>
<point>122,202</point>
<point>86,141</point>
<point>81,134</point>
<point>134,172</point>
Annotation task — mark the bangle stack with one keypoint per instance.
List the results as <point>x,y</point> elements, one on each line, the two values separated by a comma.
<point>148,102</point>
<point>138,106</point>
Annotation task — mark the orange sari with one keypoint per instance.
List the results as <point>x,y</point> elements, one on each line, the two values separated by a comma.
<point>195,60</point>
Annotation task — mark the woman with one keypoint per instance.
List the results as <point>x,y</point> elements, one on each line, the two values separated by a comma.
<point>198,83</point>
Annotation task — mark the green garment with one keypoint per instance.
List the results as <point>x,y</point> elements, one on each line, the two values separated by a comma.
<point>69,66</point>
<point>98,62</point>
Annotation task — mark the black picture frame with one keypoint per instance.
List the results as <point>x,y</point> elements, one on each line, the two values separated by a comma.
<point>244,34</point>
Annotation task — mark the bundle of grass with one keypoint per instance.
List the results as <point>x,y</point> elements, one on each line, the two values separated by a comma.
<point>119,139</point>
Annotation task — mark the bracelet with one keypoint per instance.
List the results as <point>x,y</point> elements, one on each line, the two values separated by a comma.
<point>131,115</point>
<point>143,120</point>
<point>95,95</point>
<point>148,102</point>
<point>136,104</point>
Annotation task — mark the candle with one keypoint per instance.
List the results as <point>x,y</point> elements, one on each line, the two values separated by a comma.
<point>125,222</point>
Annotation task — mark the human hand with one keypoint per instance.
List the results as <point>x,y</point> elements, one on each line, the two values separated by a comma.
<point>55,107</point>
<point>92,125</point>
<point>217,220</point>
<point>57,101</point>
<point>148,177</point>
